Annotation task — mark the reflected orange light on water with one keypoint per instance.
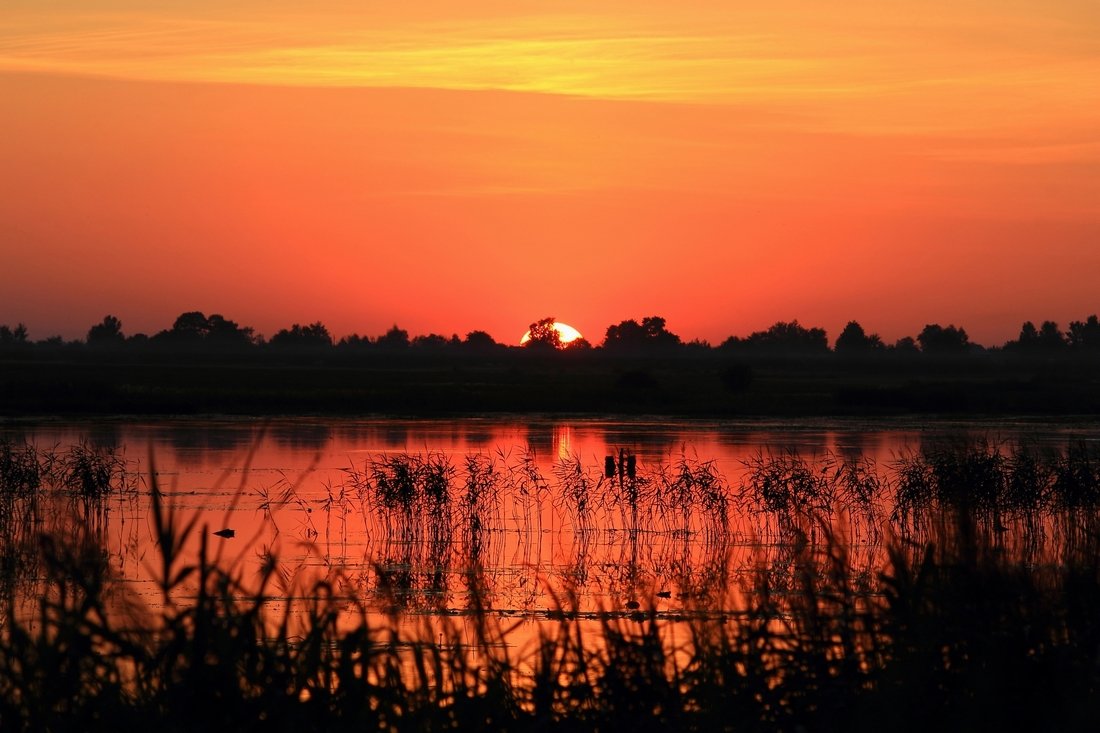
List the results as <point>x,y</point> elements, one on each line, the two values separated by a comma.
<point>437,529</point>
<point>551,522</point>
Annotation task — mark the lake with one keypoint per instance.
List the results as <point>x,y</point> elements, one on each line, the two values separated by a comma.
<point>597,515</point>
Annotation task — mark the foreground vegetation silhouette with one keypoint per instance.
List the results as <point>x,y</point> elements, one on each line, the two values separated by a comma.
<point>956,634</point>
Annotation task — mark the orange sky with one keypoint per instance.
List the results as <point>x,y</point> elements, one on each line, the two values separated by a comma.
<point>480,165</point>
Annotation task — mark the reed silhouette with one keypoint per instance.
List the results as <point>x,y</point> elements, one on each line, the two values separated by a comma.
<point>955,634</point>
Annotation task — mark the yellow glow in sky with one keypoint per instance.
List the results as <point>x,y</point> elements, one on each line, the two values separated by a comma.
<point>871,67</point>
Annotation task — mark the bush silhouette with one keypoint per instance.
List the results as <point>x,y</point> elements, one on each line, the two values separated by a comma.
<point>315,335</point>
<point>106,333</point>
<point>1085,335</point>
<point>782,338</point>
<point>396,338</point>
<point>10,336</point>
<point>854,340</point>
<point>935,339</point>
<point>630,335</point>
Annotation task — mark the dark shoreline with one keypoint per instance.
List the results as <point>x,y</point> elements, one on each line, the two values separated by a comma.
<point>423,386</point>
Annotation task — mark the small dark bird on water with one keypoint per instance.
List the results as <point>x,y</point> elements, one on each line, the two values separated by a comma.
<point>226,533</point>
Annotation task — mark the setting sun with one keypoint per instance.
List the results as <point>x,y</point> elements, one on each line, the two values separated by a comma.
<point>567,333</point>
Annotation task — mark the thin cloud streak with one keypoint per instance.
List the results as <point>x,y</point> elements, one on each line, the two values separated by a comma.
<point>869,78</point>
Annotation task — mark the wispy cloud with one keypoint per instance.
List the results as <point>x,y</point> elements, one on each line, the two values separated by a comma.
<point>865,72</point>
<point>557,55</point>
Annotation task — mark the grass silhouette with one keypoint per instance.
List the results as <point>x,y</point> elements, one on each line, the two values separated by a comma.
<point>954,634</point>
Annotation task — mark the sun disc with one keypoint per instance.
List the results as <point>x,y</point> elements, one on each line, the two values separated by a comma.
<point>566,333</point>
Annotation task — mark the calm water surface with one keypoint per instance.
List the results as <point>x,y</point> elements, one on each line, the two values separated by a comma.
<point>557,532</point>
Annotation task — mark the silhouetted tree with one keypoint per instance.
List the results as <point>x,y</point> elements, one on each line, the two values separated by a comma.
<point>190,327</point>
<point>905,346</point>
<point>1085,335</point>
<point>1049,338</point>
<point>431,342</point>
<point>479,341</point>
<point>315,335</point>
<point>396,338</point>
<point>13,336</point>
<point>579,344</point>
<point>633,336</point>
<point>1028,340</point>
<point>854,340</point>
<point>354,342</point>
<point>194,329</point>
<point>783,337</point>
<point>222,332</point>
<point>935,339</point>
<point>697,346</point>
<point>623,334</point>
<point>543,335</point>
<point>733,343</point>
<point>106,333</point>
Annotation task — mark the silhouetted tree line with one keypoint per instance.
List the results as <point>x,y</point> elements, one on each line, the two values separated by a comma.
<point>195,331</point>
<point>13,336</point>
<point>649,335</point>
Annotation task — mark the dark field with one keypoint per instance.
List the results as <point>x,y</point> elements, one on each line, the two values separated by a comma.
<point>517,382</point>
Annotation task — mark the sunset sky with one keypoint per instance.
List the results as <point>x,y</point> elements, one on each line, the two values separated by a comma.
<point>479,165</point>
